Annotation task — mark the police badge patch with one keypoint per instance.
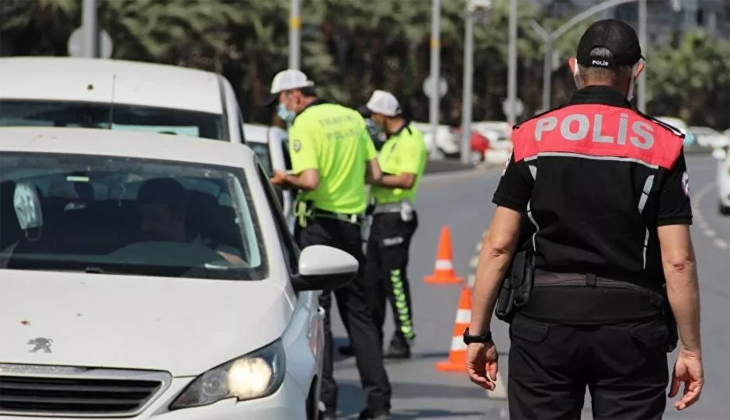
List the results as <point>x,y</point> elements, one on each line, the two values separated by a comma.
<point>685,183</point>
<point>297,145</point>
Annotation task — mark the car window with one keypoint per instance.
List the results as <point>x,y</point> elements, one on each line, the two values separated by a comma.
<point>290,249</point>
<point>127,216</point>
<point>285,150</point>
<point>116,117</point>
<point>262,152</point>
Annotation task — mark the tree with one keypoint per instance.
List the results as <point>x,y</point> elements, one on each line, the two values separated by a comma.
<point>691,79</point>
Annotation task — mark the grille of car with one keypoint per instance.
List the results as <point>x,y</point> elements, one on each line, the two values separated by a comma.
<point>79,396</point>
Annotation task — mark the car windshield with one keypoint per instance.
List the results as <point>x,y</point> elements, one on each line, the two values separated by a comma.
<point>118,215</point>
<point>116,117</point>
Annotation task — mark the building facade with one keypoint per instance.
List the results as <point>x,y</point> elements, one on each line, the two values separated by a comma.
<point>663,21</point>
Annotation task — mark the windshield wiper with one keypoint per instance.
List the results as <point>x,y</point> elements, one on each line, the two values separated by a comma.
<point>94,270</point>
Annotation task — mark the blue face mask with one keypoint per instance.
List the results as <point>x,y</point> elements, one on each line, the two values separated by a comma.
<point>285,114</point>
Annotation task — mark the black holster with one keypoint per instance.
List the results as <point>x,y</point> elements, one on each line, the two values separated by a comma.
<point>517,285</point>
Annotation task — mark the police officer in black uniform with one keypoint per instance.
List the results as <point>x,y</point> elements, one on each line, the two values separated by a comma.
<point>606,190</point>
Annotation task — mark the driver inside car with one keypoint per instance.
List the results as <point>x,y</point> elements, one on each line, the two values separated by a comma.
<point>163,209</point>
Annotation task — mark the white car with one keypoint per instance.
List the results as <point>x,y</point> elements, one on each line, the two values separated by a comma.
<point>118,95</point>
<point>270,143</point>
<point>709,137</point>
<point>123,297</point>
<point>444,144</point>
<point>723,179</point>
<point>689,137</point>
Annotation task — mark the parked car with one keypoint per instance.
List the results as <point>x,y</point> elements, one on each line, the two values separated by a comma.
<point>118,95</point>
<point>150,276</point>
<point>271,145</point>
<point>499,134</point>
<point>689,137</point>
<point>709,137</point>
<point>722,154</point>
<point>444,144</point>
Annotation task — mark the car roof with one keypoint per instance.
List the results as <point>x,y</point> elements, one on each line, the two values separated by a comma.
<point>93,141</point>
<point>256,133</point>
<point>100,80</point>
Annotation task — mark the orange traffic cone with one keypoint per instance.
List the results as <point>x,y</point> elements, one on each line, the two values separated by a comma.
<point>444,270</point>
<point>457,354</point>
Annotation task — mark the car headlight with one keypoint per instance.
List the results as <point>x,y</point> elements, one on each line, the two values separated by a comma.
<point>255,375</point>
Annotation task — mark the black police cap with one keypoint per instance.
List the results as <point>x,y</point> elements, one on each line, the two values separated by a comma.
<point>616,36</point>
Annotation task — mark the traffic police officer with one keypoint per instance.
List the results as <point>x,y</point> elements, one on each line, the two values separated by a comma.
<point>402,160</point>
<point>331,152</point>
<point>606,189</point>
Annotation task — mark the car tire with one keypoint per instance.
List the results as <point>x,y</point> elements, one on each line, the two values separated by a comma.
<point>724,210</point>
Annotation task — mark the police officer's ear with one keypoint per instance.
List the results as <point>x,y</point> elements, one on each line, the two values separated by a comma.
<point>573,66</point>
<point>637,69</point>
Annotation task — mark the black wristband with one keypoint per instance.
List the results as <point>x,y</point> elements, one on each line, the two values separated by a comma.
<point>484,338</point>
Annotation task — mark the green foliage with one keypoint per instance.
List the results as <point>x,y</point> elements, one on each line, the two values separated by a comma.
<point>351,47</point>
<point>691,80</point>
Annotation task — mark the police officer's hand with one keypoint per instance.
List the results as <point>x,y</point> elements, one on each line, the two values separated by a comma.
<point>279,178</point>
<point>481,359</point>
<point>687,370</point>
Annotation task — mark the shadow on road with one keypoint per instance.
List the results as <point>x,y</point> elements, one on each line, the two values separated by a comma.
<point>350,395</point>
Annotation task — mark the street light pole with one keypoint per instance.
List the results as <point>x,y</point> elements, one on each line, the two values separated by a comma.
<point>580,17</point>
<point>435,65</point>
<point>641,85</point>
<point>547,67</point>
<point>90,28</point>
<point>512,64</point>
<point>468,84</point>
<point>295,24</point>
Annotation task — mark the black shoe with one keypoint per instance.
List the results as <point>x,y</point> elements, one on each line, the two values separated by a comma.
<point>327,415</point>
<point>380,415</point>
<point>347,350</point>
<point>399,351</point>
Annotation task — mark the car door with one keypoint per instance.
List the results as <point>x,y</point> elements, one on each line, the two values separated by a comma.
<point>307,304</point>
<point>279,150</point>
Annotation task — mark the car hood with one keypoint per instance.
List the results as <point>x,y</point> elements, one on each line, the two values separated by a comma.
<point>183,326</point>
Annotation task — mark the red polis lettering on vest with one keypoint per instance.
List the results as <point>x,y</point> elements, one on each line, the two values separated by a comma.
<point>598,130</point>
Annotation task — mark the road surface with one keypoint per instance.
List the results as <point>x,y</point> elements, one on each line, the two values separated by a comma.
<point>463,201</point>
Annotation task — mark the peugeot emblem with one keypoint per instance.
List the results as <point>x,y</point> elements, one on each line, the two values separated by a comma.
<point>39,344</point>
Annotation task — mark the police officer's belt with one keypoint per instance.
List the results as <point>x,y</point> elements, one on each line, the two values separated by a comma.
<point>397,207</point>
<point>349,218</point>
<point>553,299</point>
<point>388,208</point>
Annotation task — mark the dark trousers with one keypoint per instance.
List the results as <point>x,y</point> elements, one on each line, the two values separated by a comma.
<point>386,273</point>
<point>355,313</point>
<point>624,366</point>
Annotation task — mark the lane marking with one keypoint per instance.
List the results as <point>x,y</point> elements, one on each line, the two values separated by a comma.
<point>478,249</point>
<point>470,280</point>
<point>474,261</point>
<point>500,392</point>
<point>700,217</point>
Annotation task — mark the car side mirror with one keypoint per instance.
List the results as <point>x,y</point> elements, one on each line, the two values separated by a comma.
<point>324,267</point>
<point>719,153</point>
